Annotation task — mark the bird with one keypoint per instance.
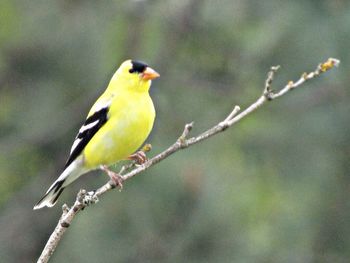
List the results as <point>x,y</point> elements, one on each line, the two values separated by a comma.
<point>115,128</point>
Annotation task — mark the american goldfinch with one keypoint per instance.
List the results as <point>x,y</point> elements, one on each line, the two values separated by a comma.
<point>116,126</point>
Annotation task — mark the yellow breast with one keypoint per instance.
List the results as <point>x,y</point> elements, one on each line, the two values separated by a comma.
<point>129,123</point>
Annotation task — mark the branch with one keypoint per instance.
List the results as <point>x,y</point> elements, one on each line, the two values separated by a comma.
<point>85,199</point>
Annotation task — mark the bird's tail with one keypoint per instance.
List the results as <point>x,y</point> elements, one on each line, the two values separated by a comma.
<point>51,196</point>
<point>70,174</point>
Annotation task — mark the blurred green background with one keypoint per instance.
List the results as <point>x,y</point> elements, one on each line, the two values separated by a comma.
<point>274,188</point>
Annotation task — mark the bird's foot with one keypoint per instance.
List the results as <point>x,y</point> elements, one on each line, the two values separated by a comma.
<point>116,179</point>
<point>139,157</point>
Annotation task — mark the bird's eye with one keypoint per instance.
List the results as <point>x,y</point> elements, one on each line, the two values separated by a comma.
<point>131,70</point>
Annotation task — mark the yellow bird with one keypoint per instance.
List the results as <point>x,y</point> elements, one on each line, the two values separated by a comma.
<point>116,126</point>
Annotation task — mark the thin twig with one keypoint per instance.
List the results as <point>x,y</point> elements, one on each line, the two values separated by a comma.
<point>86,198</point>
<point>268,90</point>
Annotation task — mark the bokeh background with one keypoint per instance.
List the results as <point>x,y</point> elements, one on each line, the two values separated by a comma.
<point>275,188</point>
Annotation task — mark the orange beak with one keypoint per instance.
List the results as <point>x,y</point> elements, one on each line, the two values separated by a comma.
<point>150,74</point>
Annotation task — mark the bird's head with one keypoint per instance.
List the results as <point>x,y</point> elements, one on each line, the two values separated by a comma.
<point>135,75</point>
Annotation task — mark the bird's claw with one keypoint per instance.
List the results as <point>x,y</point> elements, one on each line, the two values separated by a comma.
<point>116,179</point>
<point>139,157</point>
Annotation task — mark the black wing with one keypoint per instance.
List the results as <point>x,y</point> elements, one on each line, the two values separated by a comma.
<point>86,132</point>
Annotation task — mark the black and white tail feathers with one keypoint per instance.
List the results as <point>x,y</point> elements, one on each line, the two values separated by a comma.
<point>51,196</point>
<point>70,174</point>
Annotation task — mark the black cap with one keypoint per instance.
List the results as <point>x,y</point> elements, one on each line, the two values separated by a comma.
<point>138,66</point>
